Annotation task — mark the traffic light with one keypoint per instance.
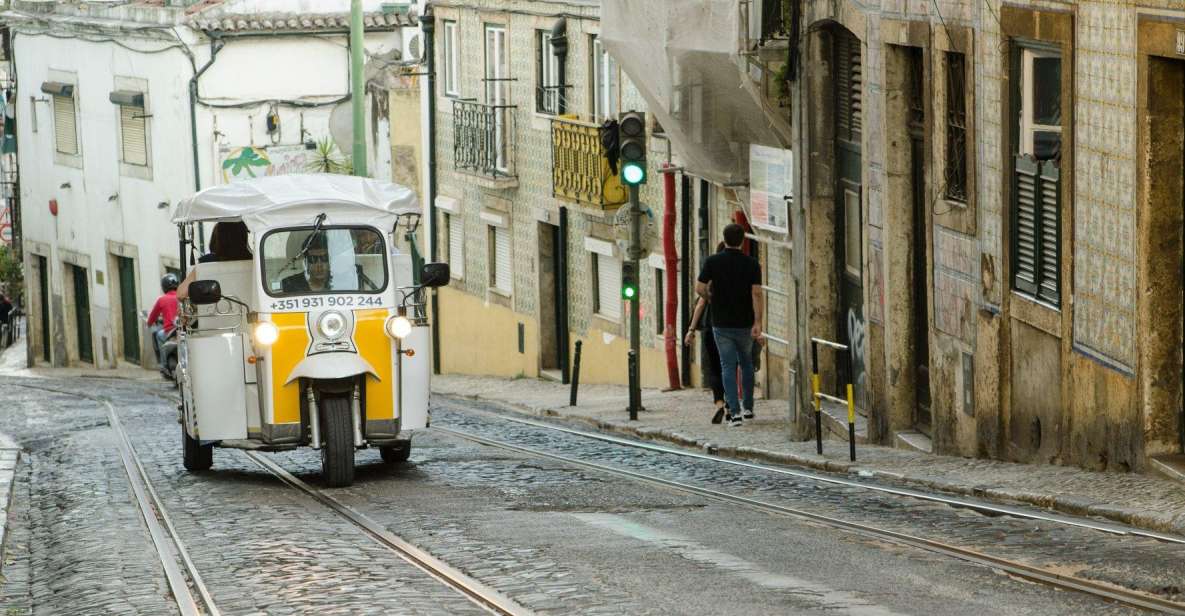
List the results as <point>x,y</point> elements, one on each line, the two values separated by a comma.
<point>632,135</point>
<point>629,280</point>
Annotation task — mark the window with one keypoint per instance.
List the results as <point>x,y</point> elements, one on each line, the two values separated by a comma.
<point>497,89</point>
<point>65,124</point>
<point>660,313</point>
<point>606,272</point>
<point>547,66</point>
<point>1036,186</point>
<point>452,60</point>
<point>499,259</point>
<point>454,226</point>
<point>606,83</point>
<point>328,260</point>
<point>956,127</point>
<point>133,135</point>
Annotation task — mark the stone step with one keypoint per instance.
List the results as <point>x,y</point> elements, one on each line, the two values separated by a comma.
<point>1171,466</point>
<point>835,422</point>
<point>913,441</point>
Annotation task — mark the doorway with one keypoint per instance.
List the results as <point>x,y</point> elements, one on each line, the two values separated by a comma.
<point>919,257</point>
<point>550,337</point>
<point>82,313</point>
<point>128,318</point>
<point>43,305</point>
<point>849,223</point>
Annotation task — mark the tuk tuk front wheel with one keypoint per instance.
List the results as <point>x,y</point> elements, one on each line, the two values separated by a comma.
<point>397,453</point>
<point>196,456</point>
<point>337,454</point>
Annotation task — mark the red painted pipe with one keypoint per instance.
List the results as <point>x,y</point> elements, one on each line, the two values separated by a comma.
<point>671,279</point>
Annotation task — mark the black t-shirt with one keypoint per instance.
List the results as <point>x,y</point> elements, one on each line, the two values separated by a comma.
<point>732,275</point>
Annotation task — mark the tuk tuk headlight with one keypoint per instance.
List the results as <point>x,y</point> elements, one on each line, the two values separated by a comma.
<point>398,326</point>
<point>332,325</point>
<point>266,333</point>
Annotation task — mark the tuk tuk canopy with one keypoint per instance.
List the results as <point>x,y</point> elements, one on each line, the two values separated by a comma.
<point>294,200</point>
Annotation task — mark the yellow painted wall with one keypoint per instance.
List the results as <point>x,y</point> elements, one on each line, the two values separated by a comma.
<point>605,359</point>
<point>480,338</point>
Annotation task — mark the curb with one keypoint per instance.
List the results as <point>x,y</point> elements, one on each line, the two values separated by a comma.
<point>10,457</point>
<point>1069,504</point>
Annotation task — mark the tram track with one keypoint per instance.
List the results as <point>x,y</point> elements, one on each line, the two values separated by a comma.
<point>1104,591</point>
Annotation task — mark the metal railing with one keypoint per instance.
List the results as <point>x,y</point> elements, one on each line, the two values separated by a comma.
<point>580,172</point>
<point>483,138</point>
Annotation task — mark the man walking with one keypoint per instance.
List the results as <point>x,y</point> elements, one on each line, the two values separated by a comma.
<point>731,282</point>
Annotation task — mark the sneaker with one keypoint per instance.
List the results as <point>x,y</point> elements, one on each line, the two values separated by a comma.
<point>734,421</point>
<point>719,416</point>
<point>748,414</point>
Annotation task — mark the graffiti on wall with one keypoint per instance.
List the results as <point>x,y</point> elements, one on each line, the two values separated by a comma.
<point>858,346</point>
<point>239,164</point>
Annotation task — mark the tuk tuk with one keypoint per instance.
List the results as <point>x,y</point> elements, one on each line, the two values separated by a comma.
<point>320,339</point>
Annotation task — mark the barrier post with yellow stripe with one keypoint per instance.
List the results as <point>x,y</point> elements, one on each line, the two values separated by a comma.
<point>815,396</point>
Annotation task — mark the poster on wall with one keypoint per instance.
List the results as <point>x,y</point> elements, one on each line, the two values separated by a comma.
<point>771,185</point>
<point>249,162</point>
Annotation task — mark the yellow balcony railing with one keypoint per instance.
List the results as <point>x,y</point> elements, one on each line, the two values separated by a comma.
<point>580,171</point>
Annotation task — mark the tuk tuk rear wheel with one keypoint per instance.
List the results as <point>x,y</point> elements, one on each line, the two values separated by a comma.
<point>195,456</point>
<point>397,453</point>
<point>337,454</point>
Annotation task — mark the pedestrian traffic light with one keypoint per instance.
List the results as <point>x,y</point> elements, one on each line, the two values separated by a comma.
<point>629,280</point>
<point>632,136</point>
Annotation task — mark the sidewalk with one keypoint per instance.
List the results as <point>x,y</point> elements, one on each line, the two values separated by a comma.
<point>11,359</point>
<point>682,418</point>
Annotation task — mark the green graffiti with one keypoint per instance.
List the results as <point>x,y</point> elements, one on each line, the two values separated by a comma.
<point>247,158</point>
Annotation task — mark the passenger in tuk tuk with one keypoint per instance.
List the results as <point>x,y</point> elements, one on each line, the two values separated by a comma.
<point>316,275</point>
<point>228,242</point>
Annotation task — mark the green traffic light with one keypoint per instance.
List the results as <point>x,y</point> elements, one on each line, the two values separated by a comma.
<point>628,292</point>
<point>633,174</point>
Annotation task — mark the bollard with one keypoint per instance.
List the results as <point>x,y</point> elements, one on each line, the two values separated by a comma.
<point>635,393</point>
<point>575,375</point>
<point>851,414</point>
<point>815,397</point>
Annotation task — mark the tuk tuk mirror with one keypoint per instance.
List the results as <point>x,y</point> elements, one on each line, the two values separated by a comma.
<point>434,274</point>
<point>204,292</point>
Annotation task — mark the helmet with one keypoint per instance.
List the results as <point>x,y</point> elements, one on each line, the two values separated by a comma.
<point>169,282</point>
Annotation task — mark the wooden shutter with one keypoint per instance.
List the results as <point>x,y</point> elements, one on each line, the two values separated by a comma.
<point>64,125</point>
<point>1036,229</point>
<point>849,78</point>
<point>608,286</point>
<point>133,135</point>
<point>456,244</point>
<point>502,280</point>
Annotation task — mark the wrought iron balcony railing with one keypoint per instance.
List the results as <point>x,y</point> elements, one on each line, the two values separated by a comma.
<point>483,138</point>
<point>580,172</point>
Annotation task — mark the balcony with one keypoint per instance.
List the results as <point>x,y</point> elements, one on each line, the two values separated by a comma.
<point>483,140</point>
<point>580,173</point>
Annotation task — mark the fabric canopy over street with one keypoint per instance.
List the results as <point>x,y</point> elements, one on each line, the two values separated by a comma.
<point>290,200</point>
<point>687,60</point>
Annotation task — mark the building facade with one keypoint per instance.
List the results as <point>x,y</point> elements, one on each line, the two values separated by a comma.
<point>124,110</point>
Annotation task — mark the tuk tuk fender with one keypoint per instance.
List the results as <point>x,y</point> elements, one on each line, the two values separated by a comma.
<point>335,365</point>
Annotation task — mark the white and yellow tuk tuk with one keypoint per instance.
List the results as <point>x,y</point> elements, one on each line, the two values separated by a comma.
<point>320,339</point>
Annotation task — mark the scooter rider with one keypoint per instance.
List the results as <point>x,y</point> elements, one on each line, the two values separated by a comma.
<point>165,309</point>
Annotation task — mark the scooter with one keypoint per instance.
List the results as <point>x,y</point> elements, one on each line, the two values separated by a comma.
<point>166,350</point>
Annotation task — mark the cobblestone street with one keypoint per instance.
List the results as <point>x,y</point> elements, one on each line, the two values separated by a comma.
<point>553,537</point>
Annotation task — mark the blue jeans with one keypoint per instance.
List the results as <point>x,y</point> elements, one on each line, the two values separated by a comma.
<point>736,349</point>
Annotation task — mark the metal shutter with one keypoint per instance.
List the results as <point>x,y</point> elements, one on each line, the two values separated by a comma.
<point>456,244</point>
<point>65,130</point>
<point>1036,229</point>
<point>133,135</point>
<point>502,280</point>
<point>608,286</point>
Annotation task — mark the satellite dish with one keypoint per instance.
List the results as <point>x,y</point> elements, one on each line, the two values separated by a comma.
<point>341,126</point>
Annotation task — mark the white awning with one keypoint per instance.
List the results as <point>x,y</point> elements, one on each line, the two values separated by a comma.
<point>290,200</point>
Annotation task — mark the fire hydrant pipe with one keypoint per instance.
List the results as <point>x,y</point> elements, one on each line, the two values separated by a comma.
<point>670,279</point>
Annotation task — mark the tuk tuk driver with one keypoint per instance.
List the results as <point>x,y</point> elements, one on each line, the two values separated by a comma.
<point>316,276</point>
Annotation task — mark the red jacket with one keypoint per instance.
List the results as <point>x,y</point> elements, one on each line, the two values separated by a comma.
<point>165,306</point>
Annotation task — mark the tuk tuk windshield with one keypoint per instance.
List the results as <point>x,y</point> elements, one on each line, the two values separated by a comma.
<point>329,260</point>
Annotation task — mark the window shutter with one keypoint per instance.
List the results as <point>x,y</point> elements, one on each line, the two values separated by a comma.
<point>608,286</point>
<point>848,79</point>
<point>456,244</point>
<point>1050,236</point>
<point>502,280</point>
<point>64,125</point>
<point>1025,250</point>
<point>133,135</point>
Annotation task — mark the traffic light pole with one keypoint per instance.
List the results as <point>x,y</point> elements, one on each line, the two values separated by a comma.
<point>635,253</point>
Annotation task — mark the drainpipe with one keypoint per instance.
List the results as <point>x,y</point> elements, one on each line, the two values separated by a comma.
<point>216,45</point>
<point>562,292</point>
<point>685,278</point>
<point>559,44</point>
<point>428,26</point>
<point>671,258</point>
<point>358,88</point>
